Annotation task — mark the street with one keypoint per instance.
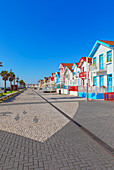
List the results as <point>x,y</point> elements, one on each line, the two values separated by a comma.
<point>34,135</point>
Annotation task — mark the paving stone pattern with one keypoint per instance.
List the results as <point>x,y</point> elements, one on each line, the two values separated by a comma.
<point>67,149</point>
<point>96,116</point>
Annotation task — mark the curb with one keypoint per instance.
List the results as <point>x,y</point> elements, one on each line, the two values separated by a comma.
<point>10,95</point>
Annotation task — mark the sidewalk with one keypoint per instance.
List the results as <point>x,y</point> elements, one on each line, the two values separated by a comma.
<point>96,116</point>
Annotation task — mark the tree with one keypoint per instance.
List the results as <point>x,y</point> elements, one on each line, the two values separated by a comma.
<point>22,83</point>
<point>14,82</point>
<point>4,74</point>
<point>11,78</point>
<point>17,80</point>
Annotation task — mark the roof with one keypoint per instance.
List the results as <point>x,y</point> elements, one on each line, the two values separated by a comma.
<point>98,43</point>
<point>58,73</point>
<point>40,80</point>
<point>75,64</point>
<point>83,59</point>
<point>107,42</point>
<point>67,64</point>
<point>68,67</point>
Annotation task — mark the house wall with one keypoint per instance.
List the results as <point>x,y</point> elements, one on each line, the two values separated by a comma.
<point>56,78</point>
<point>75,93</point>
<point>110,66</point>
<point>62,69</point>
<point>76,76</point>
<point>68,78</point>
<point>113,69</point>
<point>85,69</point>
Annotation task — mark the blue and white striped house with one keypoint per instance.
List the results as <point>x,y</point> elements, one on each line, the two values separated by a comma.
<point>102,69</point>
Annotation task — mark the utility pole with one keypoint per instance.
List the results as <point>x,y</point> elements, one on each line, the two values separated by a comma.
<point>1,66</point>
<point>87,78</point>
<point>50,85</point>
<point>60,86</point>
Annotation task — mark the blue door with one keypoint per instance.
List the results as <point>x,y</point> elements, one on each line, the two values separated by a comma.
<point>101,62</point>
<point>109,83</point>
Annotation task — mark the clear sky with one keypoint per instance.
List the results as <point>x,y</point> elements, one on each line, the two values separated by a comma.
<point>37,35</point>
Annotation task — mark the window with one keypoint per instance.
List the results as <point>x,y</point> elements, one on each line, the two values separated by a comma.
<point>94,61</point>
<point>101,61</point>
<point>95,81</point>
<point>101,81</point>
<point>78,82</point>
<point>109,56</point>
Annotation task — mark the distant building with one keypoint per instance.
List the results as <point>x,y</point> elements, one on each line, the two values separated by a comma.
<point>82,65</point>
<point>62,70</point>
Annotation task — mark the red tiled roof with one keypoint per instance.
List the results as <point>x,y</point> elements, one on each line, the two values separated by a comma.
<point>67,64</point>
<point>82,59</point>
<point>58,73</point>
<point>107,42</point>
<point>70,68</point>
<point>89,60</point>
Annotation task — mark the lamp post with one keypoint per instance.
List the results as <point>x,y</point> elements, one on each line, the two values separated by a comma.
<point>87,78</point>
<point>1,66</point>
<point>11,79</point>
<point>17,80</point>
<point>60,86</point>
<point>50,85</point>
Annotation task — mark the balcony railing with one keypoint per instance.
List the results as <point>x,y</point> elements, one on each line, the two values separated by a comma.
<point>98,67</point>
<point>92,89</point>
<point>82,75</point>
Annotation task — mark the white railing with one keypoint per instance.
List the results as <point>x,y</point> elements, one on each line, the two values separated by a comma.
<point>92,89</point>
<point>98,67</point>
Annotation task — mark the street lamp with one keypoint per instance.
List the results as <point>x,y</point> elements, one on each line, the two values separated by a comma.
<point>87,78</point>
<point>11,79</point>
<point>1,66</point>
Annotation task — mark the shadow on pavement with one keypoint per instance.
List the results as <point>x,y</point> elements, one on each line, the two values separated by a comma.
<point>67,147</point>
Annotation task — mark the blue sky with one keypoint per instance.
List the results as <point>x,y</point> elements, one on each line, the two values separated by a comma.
<point>37,35</point>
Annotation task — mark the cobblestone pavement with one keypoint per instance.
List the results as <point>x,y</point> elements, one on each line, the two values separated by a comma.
<point>67,149</point>
<point>96,116</point>
<point>30,116</point>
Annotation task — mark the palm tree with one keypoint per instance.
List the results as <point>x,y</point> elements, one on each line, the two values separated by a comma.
<point>13,82</point>
<point>11,78</point>
<point>4,74</point>
<point>17,80</point>
<point>21,83</point>
<point>24,84</point>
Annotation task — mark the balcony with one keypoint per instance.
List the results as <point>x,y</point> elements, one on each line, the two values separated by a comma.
<point>100,67</point>
<point>82,74</point>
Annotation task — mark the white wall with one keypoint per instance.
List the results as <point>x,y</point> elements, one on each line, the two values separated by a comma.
<point>69,80</point>
<point>85,69</point>
<point>110,67</point>
<point>113,69</point>
<point>75,93</point>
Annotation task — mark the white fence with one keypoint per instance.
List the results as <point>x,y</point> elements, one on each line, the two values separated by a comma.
<point>92,89</point>
<point>98,67</point>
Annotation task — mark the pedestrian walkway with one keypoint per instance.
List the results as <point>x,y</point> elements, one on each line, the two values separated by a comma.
<point>68,148</point>
<point>96,116</point>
